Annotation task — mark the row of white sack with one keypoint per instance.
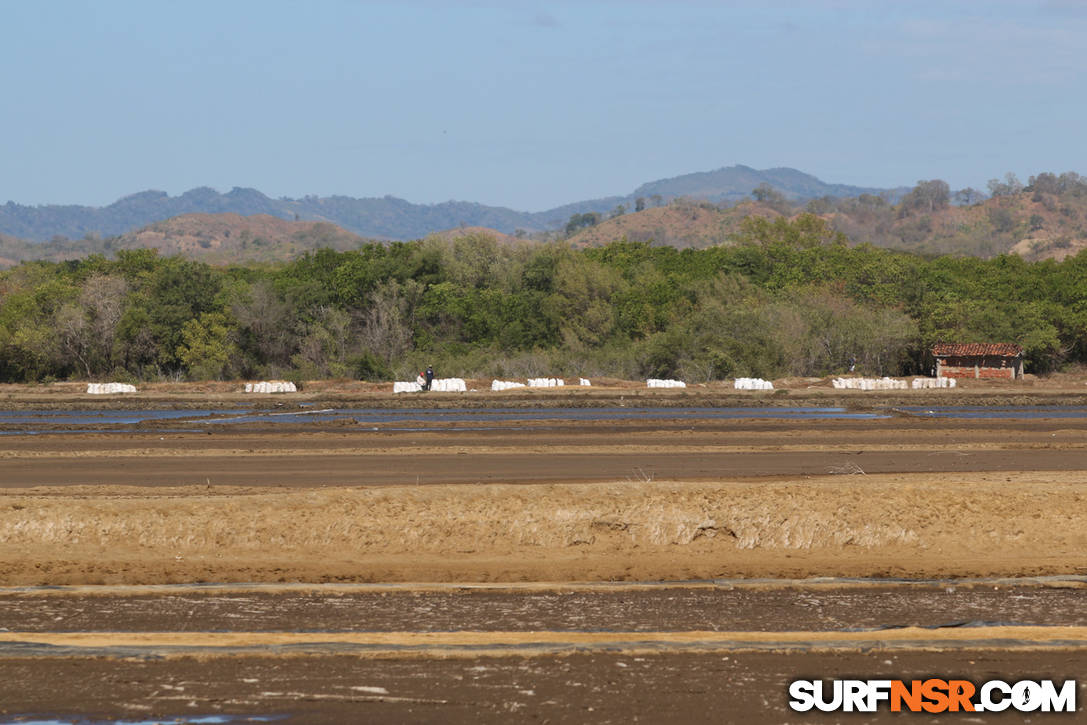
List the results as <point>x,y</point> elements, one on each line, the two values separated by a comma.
<point>441,385</point>
<point>891,383</point>
<point>274,386</point>
<point>932,383</point>
<point>738,383</point>
<point>752,384</point>
<point>268,386</point>
<point>402,387</point>
<point>869,384</point>
<point>536,383</point>
<point>271,386</point>
<point>109,388</point>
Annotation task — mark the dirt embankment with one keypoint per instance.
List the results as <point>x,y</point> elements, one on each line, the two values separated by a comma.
<point>607,392</point>
<point>910,525</point>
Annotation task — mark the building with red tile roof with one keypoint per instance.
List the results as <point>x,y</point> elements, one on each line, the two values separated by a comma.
<point>981,360</point>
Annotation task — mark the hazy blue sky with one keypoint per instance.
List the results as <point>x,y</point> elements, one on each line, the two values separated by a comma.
<point>529,104</point>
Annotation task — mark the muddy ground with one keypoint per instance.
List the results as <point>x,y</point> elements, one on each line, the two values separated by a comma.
<point>721,607</point>
<point>346,453</point>
<point>598,687</point>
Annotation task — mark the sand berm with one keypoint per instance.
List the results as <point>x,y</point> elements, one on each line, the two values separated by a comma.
<point>914,525</point>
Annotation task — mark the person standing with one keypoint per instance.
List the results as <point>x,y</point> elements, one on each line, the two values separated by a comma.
<point>429,377</point>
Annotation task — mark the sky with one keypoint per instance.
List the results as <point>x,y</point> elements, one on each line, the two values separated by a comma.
<point>529,105</point>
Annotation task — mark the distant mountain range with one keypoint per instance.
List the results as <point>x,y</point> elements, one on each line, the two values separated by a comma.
<point>396,219</point>
<point>1047,221</point>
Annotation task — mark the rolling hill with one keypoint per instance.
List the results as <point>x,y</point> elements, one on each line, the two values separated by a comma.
<point>389,217</point>
<point>221,239</point>
<point>1049,221</point>
<point>1030,224</point>
<point>681,224</point>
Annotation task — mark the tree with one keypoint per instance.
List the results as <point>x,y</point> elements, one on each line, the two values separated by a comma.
<point>471,260</point>
<point>822,205</point>
<point>387,322</point>
<point>767,194</point>
<point>73,336</point>
<point>583,293</point>
<point>1009,187</point>
<point>267,326</point>
<point>206,347</point>
<point>179,291</point>
<point>324,347</point>
<point>581,221</point>
<point>639,204</point>
<point>103,299</point>
<point>967,197</point>
<point>927,197</point>
<point>1044,183</point>
<point>1001,219</point>
<point>806,231</point>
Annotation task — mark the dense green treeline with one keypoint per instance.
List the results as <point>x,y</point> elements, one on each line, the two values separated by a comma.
<point>788,298</point>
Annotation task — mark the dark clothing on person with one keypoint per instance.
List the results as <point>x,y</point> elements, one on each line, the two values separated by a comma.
<point>429,378</point>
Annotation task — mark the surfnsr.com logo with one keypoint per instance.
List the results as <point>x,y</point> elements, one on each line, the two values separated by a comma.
<point>932,695</point>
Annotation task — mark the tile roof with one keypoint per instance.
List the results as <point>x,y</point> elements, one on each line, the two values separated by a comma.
<point>965,349</point>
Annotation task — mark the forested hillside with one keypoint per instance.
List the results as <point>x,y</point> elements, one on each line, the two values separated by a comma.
<point>790,297</point>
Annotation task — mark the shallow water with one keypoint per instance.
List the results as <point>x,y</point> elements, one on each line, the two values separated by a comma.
<point>105,417</point>
<point>500,415</point>
<point>124,421</point>
<point>81,421</point>
<point>1023,412</point>
<point>181,719</point>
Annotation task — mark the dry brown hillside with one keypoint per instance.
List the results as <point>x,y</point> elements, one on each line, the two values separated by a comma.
<point>11,251</point>
<point>228,237</point>
<point>1031,224</point>
<point>680,224</point>
<point>223,238</point>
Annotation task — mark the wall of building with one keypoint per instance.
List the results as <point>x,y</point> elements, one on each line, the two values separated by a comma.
<point>947,371</point>
<point>980,368</point>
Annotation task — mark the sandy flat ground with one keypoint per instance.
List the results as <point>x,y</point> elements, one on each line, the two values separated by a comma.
<point>904,525</point>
